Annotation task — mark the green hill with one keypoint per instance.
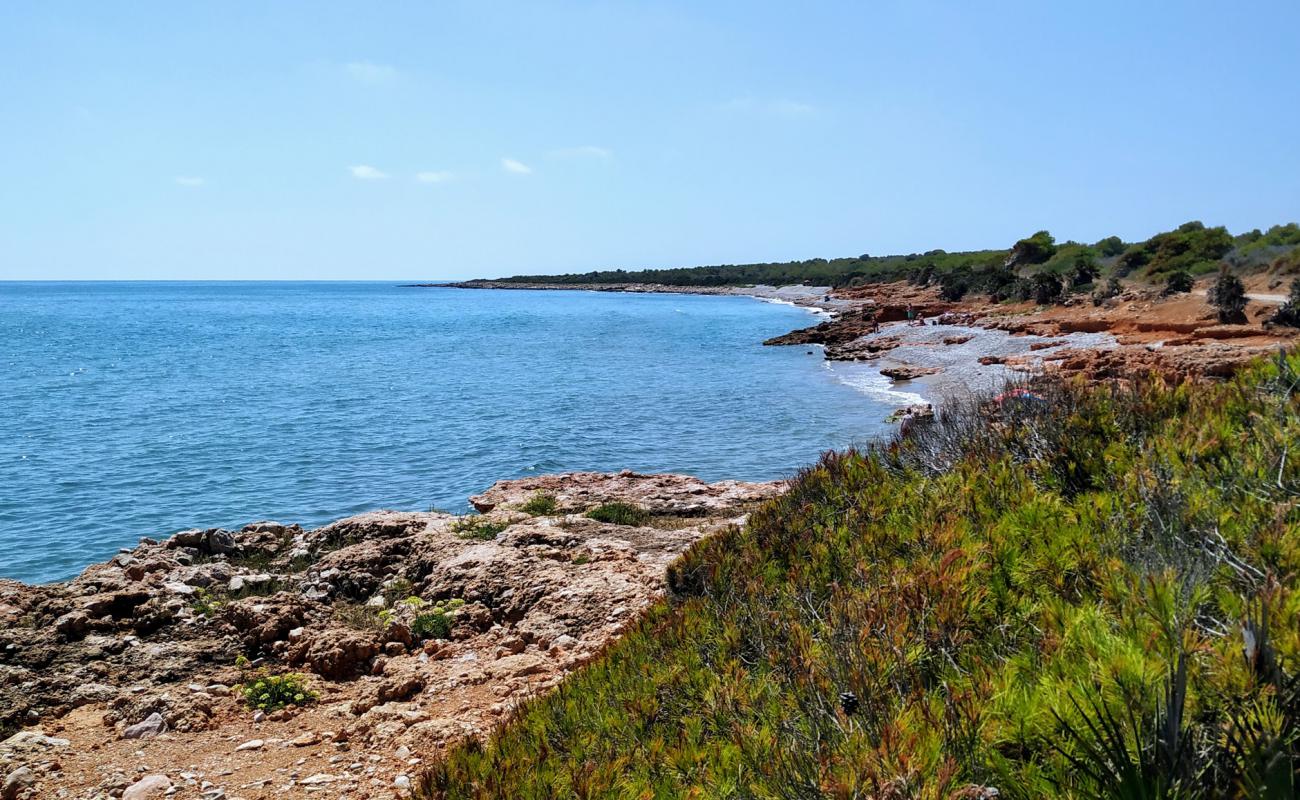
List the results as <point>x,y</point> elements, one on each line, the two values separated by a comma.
<point>1088,592</point>
<point>1191,247</point>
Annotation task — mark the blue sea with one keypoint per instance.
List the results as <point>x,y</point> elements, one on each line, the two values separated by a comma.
<point>139,409</point>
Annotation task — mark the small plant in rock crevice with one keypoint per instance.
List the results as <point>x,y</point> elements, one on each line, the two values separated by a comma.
<point>619,514</point>
<point>540,505</point>
<point>477,529</point>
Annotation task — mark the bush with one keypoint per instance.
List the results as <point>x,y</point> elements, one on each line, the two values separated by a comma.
<point>1228,296</point>
<point>1032,250</point>
<point>1192,247</point>
<point>995,600</point>
<point>1045,288</point>
<point>1289,312</point>
<point>955,283</point>
<point>1110,247</point>
<point>540,505</point>
<point>619,514</point>
<point>1084,270</point>
<point>431,625</point>
<point>268,692</point>
<point>1179,281</point>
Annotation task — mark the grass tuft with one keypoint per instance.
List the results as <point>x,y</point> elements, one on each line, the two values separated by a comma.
<point>619,514</point>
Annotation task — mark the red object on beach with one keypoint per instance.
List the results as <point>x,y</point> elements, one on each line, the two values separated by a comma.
<point>1017,394</point>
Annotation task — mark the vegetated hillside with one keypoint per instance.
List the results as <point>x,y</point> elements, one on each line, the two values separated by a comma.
<point>1083,592</point>
<point>1191,247</point>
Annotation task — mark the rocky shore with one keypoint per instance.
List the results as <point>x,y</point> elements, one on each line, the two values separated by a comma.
<point>1138,331</point>
<point>397,633</point>
<point>410,631</point>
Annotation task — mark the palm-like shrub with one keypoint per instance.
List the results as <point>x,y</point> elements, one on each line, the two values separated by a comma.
<point>1228,296</point>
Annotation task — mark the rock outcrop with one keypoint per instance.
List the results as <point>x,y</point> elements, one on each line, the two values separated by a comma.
<point>413,628</point>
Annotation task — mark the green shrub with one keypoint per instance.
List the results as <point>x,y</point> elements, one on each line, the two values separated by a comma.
<point>619,514</point>
<point>1031,250</point>
<point>431,625</point>
<point>477,529</point>
<point>1110,247</point>
<point>1179,281</point>
<point>205,603</point>
<point>1228,296</point>
<point>1289,312</point>
<point>1045,288</point>
<point>1075,592</point>
<point>1191,247</point>
<point>269,692</point>
<point>540,505</point>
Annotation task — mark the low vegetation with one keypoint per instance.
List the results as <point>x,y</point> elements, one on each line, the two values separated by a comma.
<point>1080,592</point>
<point>477,528</point>
<point>1289,312</point>
<point>1228,296</point>
<point>266,691</point>
<point>619,514</point>
<point>540,505</point>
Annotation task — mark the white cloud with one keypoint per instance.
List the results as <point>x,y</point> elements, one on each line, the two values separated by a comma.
<point>365,172</point>
<point>775,108</point>
<point>189,181</point>
<point>516,167</point>
<point>433,177</point>
<point>369,72</point>
<point>583,151</point>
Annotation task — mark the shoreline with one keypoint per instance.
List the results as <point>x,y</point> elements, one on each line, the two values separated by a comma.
<point>1142,329</point>
<point>130,672</point>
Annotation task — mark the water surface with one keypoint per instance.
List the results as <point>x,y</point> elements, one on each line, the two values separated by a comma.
<point>138,409</point>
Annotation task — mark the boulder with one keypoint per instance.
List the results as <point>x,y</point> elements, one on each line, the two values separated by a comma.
<point>150,727</point>
<point>148,788</point>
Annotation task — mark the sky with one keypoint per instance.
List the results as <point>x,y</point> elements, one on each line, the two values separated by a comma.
<point>443,140</point>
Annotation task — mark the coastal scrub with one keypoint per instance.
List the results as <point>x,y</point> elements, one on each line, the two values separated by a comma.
<point>1075,592</point>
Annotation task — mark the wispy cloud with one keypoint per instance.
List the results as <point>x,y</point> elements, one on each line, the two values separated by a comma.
<point>515,167</point>
<point>433,177</point>
<point>780,107</point>
<point>583,151</point>
<point>370,72</point>
<point>189,181</point>
<point>365,172</point>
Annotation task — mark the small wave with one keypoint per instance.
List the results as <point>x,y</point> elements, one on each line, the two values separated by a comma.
<point>871,383</point>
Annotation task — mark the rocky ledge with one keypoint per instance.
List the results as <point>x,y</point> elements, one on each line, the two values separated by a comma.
<point>412,630</point>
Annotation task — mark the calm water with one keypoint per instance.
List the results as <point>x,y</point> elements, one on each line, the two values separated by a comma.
<point>138,409</point>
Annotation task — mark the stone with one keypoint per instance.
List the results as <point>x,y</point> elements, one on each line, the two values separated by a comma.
<point>72,624</point>
<point>148,788</point>
<point>306,739</point>
<point>319,779</point>
<point>518,666</point>
<point>251,744</point>
<point>36,738</point>
<point>17,782</point>
<point>222,542</point>
<point>148,728</point>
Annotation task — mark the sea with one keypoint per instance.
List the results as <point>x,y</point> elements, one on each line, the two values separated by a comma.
<point>132,409</point>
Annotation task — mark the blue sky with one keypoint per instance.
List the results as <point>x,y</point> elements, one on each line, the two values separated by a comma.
<point>319,140</point>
